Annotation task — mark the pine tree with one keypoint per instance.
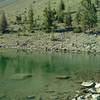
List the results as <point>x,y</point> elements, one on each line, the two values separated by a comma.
<point>61,11</point>
<point>78,17</point>
<point>31,19</point>
<point>62,6</point>
<point>48,18</point>
<point>68,19</point>
<point>89,15</point>
<point>3,24</point>
<point>18,19</point>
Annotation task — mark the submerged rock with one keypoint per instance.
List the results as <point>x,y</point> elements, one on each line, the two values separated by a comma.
<point>62,77</point>
<point>30,97</point>
<point>2,96</point>
<point>88,84</point>
<point>92,90</point>
<point>88,96</point>
<point>79,98</point>
<point>20,76</point>
<point>54,97</point>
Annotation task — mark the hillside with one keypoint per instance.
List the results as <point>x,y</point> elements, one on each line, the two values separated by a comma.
<point>16,6</point>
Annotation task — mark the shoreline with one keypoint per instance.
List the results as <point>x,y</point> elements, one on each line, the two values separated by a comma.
<point>84,43</point>
<point>45,51</point>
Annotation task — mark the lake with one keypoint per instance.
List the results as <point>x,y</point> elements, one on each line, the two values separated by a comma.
<point>44,68</point>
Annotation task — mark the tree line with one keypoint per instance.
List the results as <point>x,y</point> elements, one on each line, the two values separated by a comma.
<point>85,17</point>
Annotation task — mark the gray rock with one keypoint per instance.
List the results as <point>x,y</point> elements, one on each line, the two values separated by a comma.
<point>81,98</point>
<point>63,77</point>
<point>54,97</point>
<point>96,96</point>
<point>88,84</point>
<point>97,85</point>
<point>92,90</point>
<point>20,76</point>
<point>98,90</point>
<point>88,96</point>
<point>30,97</point>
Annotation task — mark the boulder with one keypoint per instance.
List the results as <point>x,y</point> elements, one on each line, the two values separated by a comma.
<point>98,90</point>
<point>20,76</point>
<point>88,84</point>
<point>88,96</point>
<point>96,97</point>
<point>92,90</point>
<point>81,98</point>
<point>97,85</point>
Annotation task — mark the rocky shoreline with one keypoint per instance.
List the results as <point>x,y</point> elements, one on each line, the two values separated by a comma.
<point>89,91</point>
<point>42,42</point>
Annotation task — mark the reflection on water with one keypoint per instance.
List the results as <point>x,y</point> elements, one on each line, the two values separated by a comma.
<point>21,62</point>
<point>44,67</point>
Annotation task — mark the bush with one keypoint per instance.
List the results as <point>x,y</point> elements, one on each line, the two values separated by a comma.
<point>77,30</point>
<point>24,34</point>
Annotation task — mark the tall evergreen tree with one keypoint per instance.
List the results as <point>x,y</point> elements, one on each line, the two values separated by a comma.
<point>61,11</point>
<point>68,19</point>
<point>48,18</point>
<point>3,24</point>
<point>78,17</point>
<point>62,5</point>
<point>89,15</point>
<point>31,19</point>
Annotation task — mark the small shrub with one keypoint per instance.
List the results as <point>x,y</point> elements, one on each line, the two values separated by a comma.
<point>77,30</point>
<point>23,34</point>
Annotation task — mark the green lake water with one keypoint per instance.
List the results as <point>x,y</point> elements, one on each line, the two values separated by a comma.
<point>44,68</point>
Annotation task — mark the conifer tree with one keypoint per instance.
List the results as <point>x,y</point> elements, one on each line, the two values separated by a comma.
<point>89,15</point>
<point>61,11</point>
<point>3,24</point>
<point>78,17</point>
<point>62,6</point>
<point>31,19</point>
<point>48,18</point>
<point>68,19</point>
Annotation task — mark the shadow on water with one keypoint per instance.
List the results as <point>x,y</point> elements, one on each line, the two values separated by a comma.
<point>3,64</point>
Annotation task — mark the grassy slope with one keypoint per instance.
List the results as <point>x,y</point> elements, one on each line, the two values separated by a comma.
<point>20,5</point>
